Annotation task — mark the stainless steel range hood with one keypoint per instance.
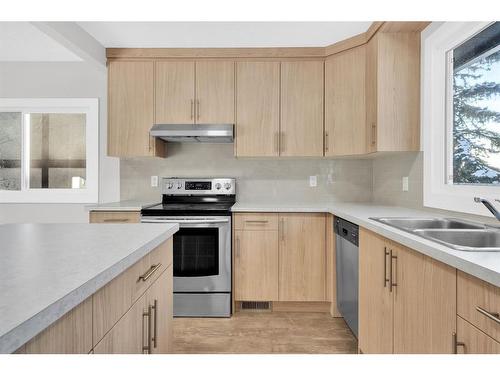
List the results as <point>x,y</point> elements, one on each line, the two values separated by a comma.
<point>203,133</point>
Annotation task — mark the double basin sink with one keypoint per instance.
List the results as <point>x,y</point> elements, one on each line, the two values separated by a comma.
<point>454,233</point>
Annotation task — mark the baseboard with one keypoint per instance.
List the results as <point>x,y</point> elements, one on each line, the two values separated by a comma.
<point>301,306</point>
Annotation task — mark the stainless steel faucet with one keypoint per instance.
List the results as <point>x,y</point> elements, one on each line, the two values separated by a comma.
<point>489,206</point>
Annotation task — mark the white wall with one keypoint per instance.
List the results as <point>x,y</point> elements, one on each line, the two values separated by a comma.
<point>60,80</point>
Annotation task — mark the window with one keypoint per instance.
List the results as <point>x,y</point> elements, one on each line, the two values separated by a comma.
<point>48,150</point>
<point>474,118</point>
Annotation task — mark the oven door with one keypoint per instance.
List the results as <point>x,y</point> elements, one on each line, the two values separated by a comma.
<point>201,252</point>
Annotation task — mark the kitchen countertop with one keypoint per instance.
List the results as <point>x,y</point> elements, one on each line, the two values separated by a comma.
<point>483,265</point>
<point>130,205</point>
<point>48,269</point>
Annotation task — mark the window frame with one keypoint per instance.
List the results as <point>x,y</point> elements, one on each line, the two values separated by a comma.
<point>437,41</point>
<point>88,106</point>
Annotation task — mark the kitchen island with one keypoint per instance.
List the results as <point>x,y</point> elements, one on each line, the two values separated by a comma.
<point>98,273</point>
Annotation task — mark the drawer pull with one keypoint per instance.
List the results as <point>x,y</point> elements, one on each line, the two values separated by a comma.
<point>492,315</point>
<point>115,220</point>
<point>149,272</point>
<point>256,221</point>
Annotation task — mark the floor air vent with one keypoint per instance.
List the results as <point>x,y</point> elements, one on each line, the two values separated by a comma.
<point>255,305</point>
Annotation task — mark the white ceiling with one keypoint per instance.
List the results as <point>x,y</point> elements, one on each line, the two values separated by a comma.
<point>21,41</point>
<point>221,34</point>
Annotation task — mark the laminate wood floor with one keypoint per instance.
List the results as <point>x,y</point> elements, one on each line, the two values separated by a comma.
<point>260,333</point>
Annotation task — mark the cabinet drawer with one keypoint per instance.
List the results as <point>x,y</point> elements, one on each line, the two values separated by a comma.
<point>473,340</point>
<point>256,221</point>
<point>114,217</point>
<point>479,303</point>
<point>114,299</point>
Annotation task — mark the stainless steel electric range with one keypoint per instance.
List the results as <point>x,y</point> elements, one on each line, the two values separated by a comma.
<point>202,247</point>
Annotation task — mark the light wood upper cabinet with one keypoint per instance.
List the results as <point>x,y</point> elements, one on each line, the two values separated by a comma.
<point>302,108</point>
<point>375,299</point>
<point>131,109</point>
<point>345,115</point>
<point>393,92</point>
<point>302,257</point>
<point>215,92</point>
<point>174,92</point>
<point>257,103</point>
<point>256,265</point>
<point>417,314</point>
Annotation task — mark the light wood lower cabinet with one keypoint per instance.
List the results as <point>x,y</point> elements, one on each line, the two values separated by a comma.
<point>471,340</point>
<point>160,298</point>
<point>114,217</point>
<point>407,301</point>
<point>129,335</point>
<point>256,265</point>
<point>285,262</point>
<point>72,334</point>
<point>375,300</point>
<point>302,257</point>
<point>131,314</point>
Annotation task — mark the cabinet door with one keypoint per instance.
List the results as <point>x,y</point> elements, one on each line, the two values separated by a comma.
<point>302,257</point>
<point>302,108</point>
<point>474,341</point>
<point>345,115</point>
<point>375,299</point>
<point>215,92</point>
<point>130,333</point>
<point>130,108</point>
<point>174,92</point>
<point>256,265</point>
<point>160,297</point>
<point>424,303</point>
<point>257,108</point>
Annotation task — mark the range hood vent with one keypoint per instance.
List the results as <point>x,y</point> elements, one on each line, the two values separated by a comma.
<point>203,133</point>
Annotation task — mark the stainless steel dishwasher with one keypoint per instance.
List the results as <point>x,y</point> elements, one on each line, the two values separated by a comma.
<point>347,253</point>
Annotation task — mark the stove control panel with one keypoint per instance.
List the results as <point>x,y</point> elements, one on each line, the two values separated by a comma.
<point>198,186</point>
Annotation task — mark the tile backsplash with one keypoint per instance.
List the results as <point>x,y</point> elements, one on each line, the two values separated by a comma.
<point>258,180</point>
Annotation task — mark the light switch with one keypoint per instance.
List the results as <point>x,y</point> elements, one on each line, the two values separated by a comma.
<point>154,181</point>
<point>405,183</point>
<point>313,181</point>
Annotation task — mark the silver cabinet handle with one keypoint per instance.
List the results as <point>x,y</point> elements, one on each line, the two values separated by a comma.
<point>391,282</point>
<point>192,109</point>
<point>115,220</point>
<point>277,142</point>
<point>282,142</point>
<point>326,142</point>
<point>282,222</point>
<point>197,109</point>
<point>256,221</point>
<point>149,272</point>
<point>386,279</point>
<point>492,315</point>
<point>455,343</point>
<point>154,339</point>
<point>146,314</point>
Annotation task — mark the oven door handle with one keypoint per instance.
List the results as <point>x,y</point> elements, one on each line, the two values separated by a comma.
<point>160,221</point>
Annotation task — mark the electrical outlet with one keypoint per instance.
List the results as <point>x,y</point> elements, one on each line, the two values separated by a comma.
<point>313,181</point>
<point>154,181</point>
<point>404,183</point>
